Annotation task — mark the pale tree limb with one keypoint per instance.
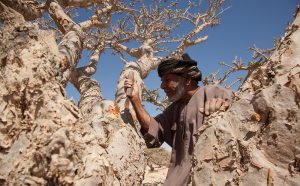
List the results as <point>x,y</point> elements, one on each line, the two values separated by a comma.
<point>265,54</point>
<point>213,79</point>
<point>88,70</point>
<point>92,103</point>
<point>97,19</point>
<point>89,89</point>
<point>91,97</point>
<point>94,21</point>
<point>134,52</point>
<point>71,45</point>
<point>61,19</point>
<point>238,80</point>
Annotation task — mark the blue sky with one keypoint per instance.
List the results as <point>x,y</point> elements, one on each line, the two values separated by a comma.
<point>245,23</point>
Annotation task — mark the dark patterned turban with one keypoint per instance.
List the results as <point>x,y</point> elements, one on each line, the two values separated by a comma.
<point>185,67</point>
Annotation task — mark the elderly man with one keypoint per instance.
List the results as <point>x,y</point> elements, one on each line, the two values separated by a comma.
<point>180,121</point>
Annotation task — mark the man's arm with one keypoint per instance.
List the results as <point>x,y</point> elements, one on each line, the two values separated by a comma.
<point>133,95</point>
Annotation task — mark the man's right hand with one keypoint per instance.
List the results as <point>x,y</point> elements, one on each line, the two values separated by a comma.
<point>133,94</point>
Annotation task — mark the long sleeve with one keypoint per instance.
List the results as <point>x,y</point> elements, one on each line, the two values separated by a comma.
<point>160,129</point>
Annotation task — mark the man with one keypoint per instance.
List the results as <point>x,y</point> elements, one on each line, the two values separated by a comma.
<point>181,120</point>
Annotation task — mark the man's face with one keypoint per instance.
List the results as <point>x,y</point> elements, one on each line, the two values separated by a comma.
<point>173,85</point>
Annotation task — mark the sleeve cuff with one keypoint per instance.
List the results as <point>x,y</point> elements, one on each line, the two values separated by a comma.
<point>151,137</point>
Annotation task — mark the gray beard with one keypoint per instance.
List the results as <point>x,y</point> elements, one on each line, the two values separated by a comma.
<point>180,91</point>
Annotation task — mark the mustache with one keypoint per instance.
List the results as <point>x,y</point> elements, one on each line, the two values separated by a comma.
<point>180,91</point>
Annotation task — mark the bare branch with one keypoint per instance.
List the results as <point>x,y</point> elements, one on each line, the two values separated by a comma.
<point>238,80</point>
<point>258,52</point>
<point>71,46</point>
<point>82,75</point>
<point>199,22</point>
<point>261,56</point>
<point>61,19</point>
<point>152,96</point>
<point>94,21</point>
<point>122,58</point>
<point>97,19</point>
<point>135,52</point>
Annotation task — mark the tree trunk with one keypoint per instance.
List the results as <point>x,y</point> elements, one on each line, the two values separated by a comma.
<point>44,138</point>
<point>256,142</point>
<point>140,70</point>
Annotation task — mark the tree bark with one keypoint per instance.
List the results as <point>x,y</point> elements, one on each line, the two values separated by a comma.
<point>256,142</point>
<point>141,68</point>
<point>44,138</point>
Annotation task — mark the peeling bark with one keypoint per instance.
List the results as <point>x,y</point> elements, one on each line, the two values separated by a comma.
<point>140,69</point>
<point>256,141</point>
<point>30,10</point>
<point>46,139</point>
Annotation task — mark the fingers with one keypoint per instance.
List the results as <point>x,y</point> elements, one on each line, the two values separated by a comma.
<point>215,104</point>
<point>131,89</point>
<point>219,103</point>
<point>218,99</point>
<point>212,106</point>
<point>128,83</point>
<point>206,107</point>
<point>225,105</point>
<point>128,87</point>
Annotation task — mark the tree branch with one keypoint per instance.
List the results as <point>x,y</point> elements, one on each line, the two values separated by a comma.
<point>71,45</point>
<point>134,52</point>
<point>152,96</point>
<point>61,19</point>
<point>94,21</point>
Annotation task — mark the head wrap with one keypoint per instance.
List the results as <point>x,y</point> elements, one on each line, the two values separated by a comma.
<point>185,67</point>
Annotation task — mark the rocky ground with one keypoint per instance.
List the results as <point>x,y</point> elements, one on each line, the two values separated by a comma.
<point>157,166</point>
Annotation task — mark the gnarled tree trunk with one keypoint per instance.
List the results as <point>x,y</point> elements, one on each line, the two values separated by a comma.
<point>44,138</point>
<point>256,142</point>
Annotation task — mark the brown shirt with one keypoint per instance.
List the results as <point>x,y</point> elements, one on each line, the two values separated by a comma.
<point>176,126</point>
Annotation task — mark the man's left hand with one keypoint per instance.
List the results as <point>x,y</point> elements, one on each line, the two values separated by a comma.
<point>214,105</point>
<point>217,99</point>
